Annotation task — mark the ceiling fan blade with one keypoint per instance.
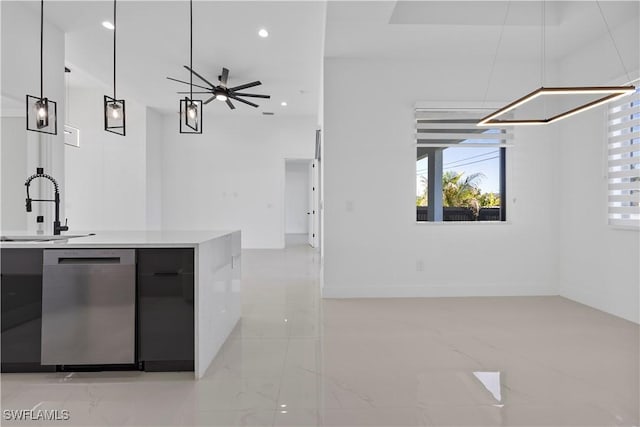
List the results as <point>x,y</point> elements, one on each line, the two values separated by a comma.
<point>224,77</point>
<point>252,95</point>
<point>245,86</point>
<point>242,100</point>
<point>209,100</point>
<point>187,83</point>
<point>199,76</point>
<point>187,93</point>
<point>230,104</point>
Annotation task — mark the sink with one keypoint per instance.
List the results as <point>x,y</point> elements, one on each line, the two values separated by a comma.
<point>41,237</point>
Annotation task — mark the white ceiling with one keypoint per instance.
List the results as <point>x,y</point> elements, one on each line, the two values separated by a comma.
<point>444,30</point>
<point>153,43</point>
<point>153,40</point>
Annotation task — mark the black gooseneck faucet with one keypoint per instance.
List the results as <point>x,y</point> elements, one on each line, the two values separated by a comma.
<point>57,228</point>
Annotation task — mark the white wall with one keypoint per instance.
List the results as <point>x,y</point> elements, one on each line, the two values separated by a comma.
<point>297,189</point>
<point>106,175</point>
<point>373,247</point>
<point>22,150</point>
<point>154,169</point>
<point>13,155</point>
<point>598,263</point>
<point>232,176</point>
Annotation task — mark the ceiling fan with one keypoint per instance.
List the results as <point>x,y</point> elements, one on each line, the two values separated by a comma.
<point>221,92</point>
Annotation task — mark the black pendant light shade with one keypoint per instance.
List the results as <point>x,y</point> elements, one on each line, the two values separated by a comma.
<point>190,109</point>
<point>42,115</point>
<point>190,115</point>
<point>114,115</point>
<point>41,111</point>
<point>114,110</point>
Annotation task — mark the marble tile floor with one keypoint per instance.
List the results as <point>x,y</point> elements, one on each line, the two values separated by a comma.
<point>297,360</point>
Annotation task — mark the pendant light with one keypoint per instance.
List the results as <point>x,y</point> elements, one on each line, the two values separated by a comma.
<point>41,111</point>
<point>584,97</point>
<point>114,109</point>
<point>190,109</point>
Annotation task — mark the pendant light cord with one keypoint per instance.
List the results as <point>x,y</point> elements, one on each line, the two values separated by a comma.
<point>191,50</point>
<point>115,28</point>
<point>495,55</point>
<point>615,45</point>
<point>41,46</point>
<point>543,43</point>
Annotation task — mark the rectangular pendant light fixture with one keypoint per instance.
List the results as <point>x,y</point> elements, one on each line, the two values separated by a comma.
<point>550,104</point>
<point>190,109</point>
<point>42,113</point>
<point>114,116</point>
<point>114,109</point>
<point>190,115</point>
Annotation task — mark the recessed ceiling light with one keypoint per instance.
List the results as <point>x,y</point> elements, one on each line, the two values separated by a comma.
<point>108,25</point>
<point>263,33</point>
<point>283,103</point>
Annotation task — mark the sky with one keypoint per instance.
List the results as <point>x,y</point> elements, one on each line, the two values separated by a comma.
<point>468,160</point>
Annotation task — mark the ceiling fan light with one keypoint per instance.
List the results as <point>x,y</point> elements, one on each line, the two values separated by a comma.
<point>221,97</point>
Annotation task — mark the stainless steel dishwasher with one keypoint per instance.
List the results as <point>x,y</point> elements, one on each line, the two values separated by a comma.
<point>88,307</point>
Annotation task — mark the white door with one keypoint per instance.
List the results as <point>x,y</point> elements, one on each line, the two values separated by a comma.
<point>314,198</point>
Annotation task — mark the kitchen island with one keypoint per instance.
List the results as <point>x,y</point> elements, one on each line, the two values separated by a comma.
<point>186,297</point>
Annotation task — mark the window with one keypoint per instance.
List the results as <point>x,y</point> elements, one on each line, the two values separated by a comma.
<point>624,161</point>
<point>460,167</point>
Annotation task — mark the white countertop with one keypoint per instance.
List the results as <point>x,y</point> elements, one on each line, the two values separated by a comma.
<point>124,239</point>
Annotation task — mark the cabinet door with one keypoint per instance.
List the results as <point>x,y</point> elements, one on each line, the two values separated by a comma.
<point>21,321</point>
<point>165,308</point>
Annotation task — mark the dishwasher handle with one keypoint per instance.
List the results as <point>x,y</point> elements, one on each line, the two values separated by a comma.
<point>89,257</point>
<point>89,260</point>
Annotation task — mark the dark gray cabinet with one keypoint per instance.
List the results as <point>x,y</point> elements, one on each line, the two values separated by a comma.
<point>166,309</point>
<point>21,286</point>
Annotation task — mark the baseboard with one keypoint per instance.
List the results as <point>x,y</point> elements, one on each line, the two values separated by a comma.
<point>591,299</point>
<point>426,291</point>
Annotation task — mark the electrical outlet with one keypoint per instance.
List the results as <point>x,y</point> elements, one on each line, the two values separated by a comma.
<point>349,206</point>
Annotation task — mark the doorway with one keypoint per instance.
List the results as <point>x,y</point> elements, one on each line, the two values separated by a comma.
<point>300,213</point>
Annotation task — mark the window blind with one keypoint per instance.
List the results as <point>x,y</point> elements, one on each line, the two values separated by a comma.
<point>457,128</point>
<point>624,161</point>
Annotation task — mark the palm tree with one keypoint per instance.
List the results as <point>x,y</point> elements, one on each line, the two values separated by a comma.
<point>423,199</point>
<point>459,192</point>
